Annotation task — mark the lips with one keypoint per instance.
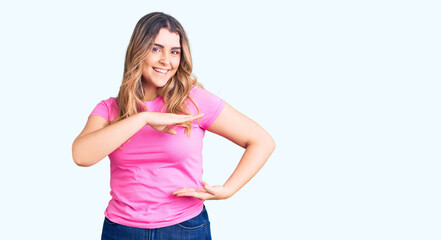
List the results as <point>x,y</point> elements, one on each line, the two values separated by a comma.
<point>161,70</point>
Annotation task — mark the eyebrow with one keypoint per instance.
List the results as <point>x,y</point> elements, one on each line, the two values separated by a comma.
<point>161,46</point>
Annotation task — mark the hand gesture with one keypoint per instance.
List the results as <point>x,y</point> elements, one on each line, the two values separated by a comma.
<point>206,193</point>
<point>162,121</point>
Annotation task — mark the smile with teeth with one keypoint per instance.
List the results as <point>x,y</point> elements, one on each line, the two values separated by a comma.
<point>160,70</point>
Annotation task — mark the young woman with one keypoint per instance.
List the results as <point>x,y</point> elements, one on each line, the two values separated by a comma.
<point>152,132</point>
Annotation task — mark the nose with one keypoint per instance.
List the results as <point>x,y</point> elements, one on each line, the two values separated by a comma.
<point>164,58</point>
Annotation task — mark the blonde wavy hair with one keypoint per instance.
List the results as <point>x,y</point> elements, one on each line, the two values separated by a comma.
<point>176,91</point>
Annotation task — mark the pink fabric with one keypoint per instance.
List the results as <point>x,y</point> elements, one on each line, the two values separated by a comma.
<point>154,164</point>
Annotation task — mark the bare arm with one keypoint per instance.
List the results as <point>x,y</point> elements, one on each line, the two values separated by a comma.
<point>246,133</point>
<point>98,139</point>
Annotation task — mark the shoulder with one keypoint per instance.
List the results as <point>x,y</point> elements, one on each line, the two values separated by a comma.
<point>106,108</point>
<point>204,97</point>
<point>110,103</point>
<point>195,90</point>
<point>199,93</point>
<point>110,100</point>
<point>208,103</point>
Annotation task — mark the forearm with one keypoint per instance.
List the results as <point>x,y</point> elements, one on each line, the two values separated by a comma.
<point>93,147</point>
<point>253,159</point>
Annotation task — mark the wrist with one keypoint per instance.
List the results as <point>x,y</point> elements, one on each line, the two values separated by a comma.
<point>229,191</point>
<point>145,117</point>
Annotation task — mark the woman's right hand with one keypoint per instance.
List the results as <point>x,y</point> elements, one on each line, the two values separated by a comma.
<point>162,121</point>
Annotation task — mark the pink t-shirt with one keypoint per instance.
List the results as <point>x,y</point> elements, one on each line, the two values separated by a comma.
<point>153,164</point>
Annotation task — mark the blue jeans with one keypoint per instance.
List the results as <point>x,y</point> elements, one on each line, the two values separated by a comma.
<point>197,228</point>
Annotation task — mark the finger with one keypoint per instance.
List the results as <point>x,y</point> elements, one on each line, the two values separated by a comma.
<point>189,190</point>
<point>190,119</point>
<point>201,190</point>
<point>183,190</point>
<point>188,194</point>
<point>169,130</point>
<point>198,195</point>
<point>198,116</point>
<point>186,118</point>
<point>208,188</point>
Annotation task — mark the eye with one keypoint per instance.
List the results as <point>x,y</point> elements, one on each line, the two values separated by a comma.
<point>155,49</point>
<point>175,52</point>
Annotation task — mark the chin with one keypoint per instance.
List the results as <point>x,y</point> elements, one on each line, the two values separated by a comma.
<point>161,84</point>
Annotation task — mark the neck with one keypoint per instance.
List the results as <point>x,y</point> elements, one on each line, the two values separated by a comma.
<point>150,93</point>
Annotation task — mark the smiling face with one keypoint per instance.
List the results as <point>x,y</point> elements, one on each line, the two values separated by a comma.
<point>162,62</point>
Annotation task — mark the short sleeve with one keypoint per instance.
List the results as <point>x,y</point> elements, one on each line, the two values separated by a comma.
<point>104,109</point>
<point>209,104</point>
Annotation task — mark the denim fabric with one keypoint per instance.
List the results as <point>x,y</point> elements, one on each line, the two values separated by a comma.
<point>197,228</point>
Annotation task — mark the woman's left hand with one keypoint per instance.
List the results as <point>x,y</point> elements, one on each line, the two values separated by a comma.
<point>206,193</point>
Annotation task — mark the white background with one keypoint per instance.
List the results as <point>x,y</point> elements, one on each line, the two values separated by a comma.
<point>350,91</point>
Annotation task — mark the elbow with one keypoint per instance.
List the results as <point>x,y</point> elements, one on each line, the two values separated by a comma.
<point>77,159</point>
<point>76,156</point>
<point>79,163</point>
<point>268,142</point>
<point>265,141</point>
<point>271,143</point>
